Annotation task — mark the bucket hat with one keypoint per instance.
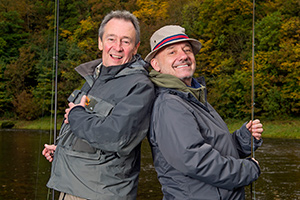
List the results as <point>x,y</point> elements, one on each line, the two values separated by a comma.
<point>167,35</point>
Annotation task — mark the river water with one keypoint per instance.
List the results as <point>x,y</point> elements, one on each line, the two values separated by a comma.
<point>24,171</point>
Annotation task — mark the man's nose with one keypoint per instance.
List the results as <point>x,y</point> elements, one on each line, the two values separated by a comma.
<point>183,55</point>
<point>118,46</point>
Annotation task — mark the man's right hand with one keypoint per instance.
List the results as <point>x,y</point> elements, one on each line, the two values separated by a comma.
<point>48,152</point>
<point>72,105</point>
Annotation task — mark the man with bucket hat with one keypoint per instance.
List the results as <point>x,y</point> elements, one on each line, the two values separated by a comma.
<point>194,154</point>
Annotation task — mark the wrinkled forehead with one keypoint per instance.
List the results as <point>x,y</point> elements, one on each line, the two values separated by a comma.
<point>117,24</point>
<point>120,27</point>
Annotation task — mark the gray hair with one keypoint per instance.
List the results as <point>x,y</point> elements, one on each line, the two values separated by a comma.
<point>125,15</point>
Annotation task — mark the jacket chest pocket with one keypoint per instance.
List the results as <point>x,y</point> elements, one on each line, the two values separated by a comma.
<point>98,106</point>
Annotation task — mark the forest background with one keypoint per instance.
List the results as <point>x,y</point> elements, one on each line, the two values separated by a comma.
<point>224,27</point>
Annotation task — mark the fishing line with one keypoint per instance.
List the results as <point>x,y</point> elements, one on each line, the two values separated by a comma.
<point>56,79</point>
<point>42,116</point>
<point>53,90</point>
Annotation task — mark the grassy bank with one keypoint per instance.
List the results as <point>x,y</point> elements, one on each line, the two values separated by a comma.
<point>289,128</point>
<point>285,128</point>
<point>39,124</point>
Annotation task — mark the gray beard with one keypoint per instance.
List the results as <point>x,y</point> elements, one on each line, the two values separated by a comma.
<point>187,77</point>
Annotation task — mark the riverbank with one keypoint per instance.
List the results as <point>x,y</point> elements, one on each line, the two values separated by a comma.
<point>288,128</point>
<point>285,128</point>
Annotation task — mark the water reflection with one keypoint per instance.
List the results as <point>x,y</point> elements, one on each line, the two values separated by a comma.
<point>280,164</point>
<point>24,172</point>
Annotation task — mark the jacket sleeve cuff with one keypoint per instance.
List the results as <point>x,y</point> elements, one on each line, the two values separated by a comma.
<point>74,109</point>
<point>255,163</point>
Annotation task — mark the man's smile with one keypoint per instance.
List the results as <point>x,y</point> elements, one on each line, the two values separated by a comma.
<point>184,64</point>
<point>116,56</point>
<point>181,66</point>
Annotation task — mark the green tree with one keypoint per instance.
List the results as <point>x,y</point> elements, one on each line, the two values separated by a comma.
<point>267,32</point>
<point>12,35</point>
<point>5,99</point>
<point>224,28</point>
<point>21,77</point>
<point>289,57</point>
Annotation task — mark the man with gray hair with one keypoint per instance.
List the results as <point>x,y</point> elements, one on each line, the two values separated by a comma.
<point>194,154</point>
<point>98,152</point>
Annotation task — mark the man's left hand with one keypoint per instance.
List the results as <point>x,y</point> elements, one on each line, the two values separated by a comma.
<point>255,128</point>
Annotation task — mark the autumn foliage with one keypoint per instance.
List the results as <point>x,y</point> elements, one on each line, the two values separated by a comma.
<point>224,27</point>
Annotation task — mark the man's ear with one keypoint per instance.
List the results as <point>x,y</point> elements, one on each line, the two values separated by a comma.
<point>136,48</point>
<point>100,44</point>
<point>154,64</point>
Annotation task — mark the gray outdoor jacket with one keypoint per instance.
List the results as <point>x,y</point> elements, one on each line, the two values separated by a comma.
<point>194,154</point>
<point>98,152</point>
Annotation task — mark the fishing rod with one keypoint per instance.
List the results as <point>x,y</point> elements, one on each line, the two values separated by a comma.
<point>56,69</point>
<point>252,186</point>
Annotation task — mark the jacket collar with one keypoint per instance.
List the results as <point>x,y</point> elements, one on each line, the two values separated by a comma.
<point>87,70</point>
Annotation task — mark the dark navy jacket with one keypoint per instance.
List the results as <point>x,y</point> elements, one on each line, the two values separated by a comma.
<point>195,155</point>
